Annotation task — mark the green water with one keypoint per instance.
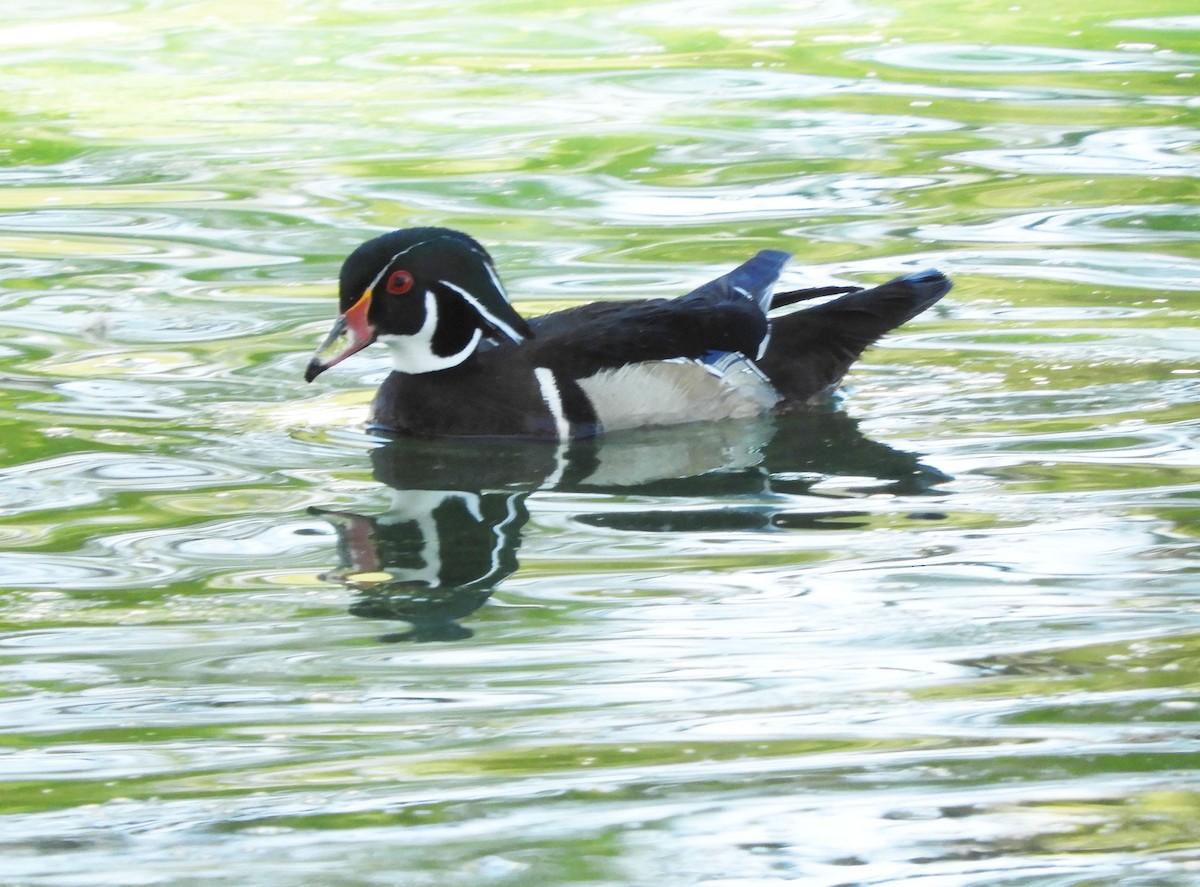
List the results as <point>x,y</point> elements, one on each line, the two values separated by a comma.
<point>946,634</point>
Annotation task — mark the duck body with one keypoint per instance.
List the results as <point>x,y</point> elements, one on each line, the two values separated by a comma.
<point>467,365</point>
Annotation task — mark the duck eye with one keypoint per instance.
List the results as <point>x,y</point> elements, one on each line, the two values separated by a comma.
<point>399,282</point>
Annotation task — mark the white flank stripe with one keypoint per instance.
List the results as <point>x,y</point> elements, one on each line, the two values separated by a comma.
<point>553,399</point>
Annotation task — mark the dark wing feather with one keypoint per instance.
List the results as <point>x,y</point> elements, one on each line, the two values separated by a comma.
<point>753,279</point>
<point>603,335</point>
<point>726,314</point>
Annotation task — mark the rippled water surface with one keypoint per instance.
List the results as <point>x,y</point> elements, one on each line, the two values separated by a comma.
<point>944,633</point>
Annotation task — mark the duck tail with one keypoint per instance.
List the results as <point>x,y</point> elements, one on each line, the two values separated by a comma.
<point>811,349</point>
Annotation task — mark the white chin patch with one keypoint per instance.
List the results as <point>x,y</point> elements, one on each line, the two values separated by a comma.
<point>673,392</point>
<point>414,354</point>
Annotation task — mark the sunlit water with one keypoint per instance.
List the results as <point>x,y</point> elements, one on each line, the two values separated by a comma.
<point>945,633</point>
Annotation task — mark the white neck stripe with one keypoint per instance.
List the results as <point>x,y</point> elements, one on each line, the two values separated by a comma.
<point>553,399</point>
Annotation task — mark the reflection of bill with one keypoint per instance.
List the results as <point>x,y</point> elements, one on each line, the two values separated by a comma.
<point>454,527</point>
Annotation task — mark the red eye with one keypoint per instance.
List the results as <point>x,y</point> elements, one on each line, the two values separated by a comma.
<point>399,282</point>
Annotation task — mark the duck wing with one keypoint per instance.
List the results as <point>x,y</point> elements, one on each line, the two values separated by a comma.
<point>725,315</point>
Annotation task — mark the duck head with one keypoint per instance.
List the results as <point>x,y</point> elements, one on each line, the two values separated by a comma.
<point>430,294</point>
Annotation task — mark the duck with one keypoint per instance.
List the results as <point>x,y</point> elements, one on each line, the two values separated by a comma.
<point>466,364</point>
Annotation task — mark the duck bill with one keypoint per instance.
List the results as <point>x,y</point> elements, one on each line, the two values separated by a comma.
<point>351,333</point>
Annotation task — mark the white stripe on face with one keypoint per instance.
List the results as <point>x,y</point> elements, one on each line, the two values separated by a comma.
<point>478,306</point>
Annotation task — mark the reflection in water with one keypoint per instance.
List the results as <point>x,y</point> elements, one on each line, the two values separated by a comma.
<point>431,559</point>
<point>453,531</point>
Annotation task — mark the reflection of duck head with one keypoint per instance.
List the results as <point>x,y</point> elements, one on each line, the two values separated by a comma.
<point>454,528</point>
<point>431,559</point>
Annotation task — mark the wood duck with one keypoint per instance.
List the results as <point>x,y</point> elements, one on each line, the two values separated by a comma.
<point>466,364</point>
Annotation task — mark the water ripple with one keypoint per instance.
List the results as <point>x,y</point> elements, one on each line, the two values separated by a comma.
<point>1140,151</point>
<point>632,203</point>
<point>100,760</point>
<point>1145,223</point>
<point>85,478</point>
<point>1134,270</point>
<point>1160,23</point>
<point>1001,59</point>
<point>115,399</point>
<point>33,570</point>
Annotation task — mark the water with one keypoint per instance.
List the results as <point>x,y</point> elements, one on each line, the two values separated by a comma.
<point>945,633</point>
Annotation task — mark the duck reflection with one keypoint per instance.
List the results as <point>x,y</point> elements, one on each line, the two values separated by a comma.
<point>454,528</point>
